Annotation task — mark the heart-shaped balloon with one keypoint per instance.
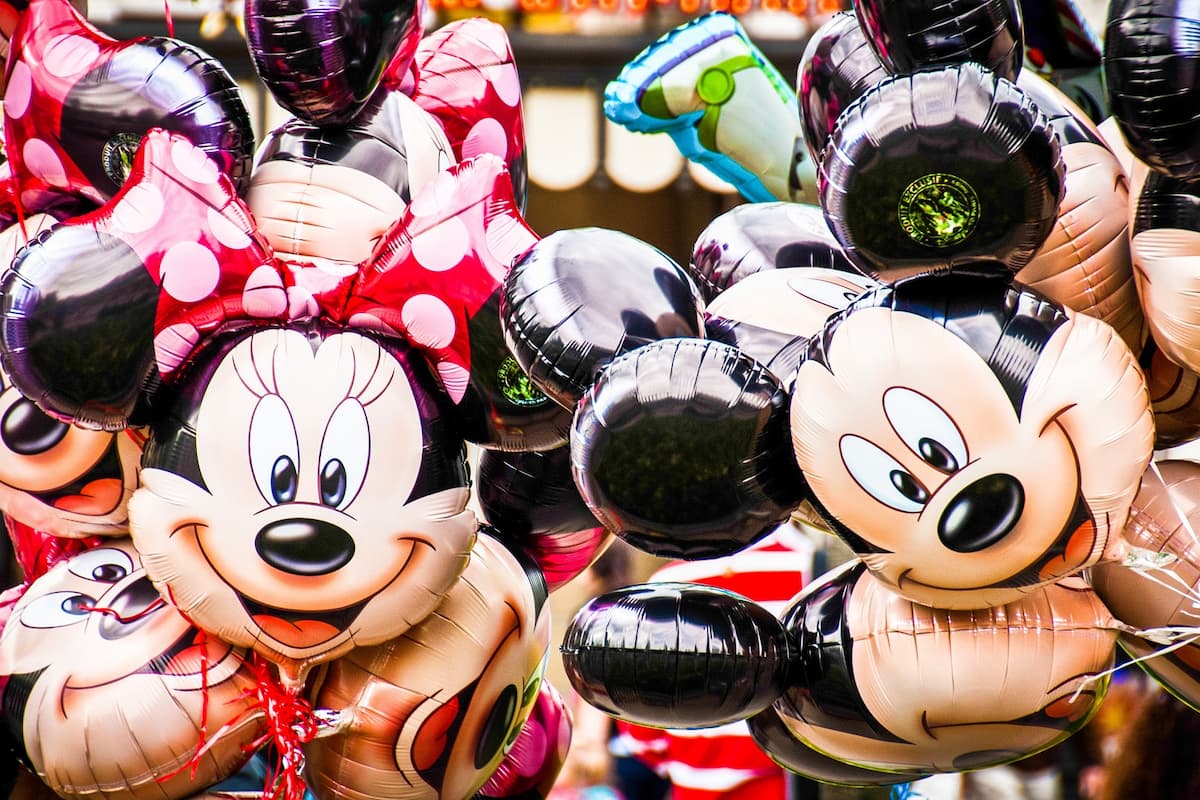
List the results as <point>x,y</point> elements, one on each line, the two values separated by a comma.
<point>323,60</point>
<point>78,103</point>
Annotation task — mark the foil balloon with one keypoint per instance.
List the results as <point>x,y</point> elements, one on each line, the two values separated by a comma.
<point>35,551</point>
<point>1162,521</point>
<point>1165,242</point>
<point>676,655</point>
<point>533,763</point>
<point>680,448</point>
<point>722,102</point>
<point>795,301</point>
<point>777,741</point>
<point>434,713</point>
<point>78,103</point>
<point>532,498</point>
<point>970,491</point>
<point>911,35</point>
<point>1151,52</point>
<point>929,170</point>
<point>752,237</point>
<point>305,475</point>
<point>1085,263</point>
<point>466,76</point>
<point>109,690</point>
<point>1174,398</point>
<point>885,684</point>
<point>838,65</point>
<point>580,297</point>
<point>323,61</point>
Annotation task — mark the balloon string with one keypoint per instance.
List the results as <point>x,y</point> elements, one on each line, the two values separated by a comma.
<point>170,19</point>
<point>291,723</point>
<point>125,620</point>
<point>1191,635</point>
<point>16,188</point>
<point>1150,573</point>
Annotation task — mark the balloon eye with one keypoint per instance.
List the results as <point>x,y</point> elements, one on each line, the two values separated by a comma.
<point>333,483</point>
<point>937,455</point>
<point>28,431</point>
<point>283,480</point>
<point>907,485</point>
<point>57,609</point>
<point>495,731</point>
<point>108,573</point>
<point>102,564</point>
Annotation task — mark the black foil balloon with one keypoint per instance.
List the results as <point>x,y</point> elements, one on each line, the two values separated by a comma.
<point>676,655</point>
<point>322,61</point>
<point>908,35</point>
<point>1151,64</point>
<point>582,296</point>
<point>532,500</point>
<point>683,449</point>
<point>753,237</point>
<point>777,741</point>
<point>928,170</point>
<point>838,65</point>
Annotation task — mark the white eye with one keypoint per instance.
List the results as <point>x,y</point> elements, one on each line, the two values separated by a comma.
<point>57,610</point>
<point>345,453</point>
<point>274,450</point>
<point>827,293</point>
<point>926,429</point>
<point>104,564</point>
<point>882,476</point>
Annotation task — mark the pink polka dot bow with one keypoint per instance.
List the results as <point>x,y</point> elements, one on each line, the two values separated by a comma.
<point>432,271</point>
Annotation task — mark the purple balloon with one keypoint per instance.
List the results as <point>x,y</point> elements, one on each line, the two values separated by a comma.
<point>323,60</point>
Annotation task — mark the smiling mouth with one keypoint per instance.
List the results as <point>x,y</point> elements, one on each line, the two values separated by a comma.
<point>301,629</point>
<point>97,492</point>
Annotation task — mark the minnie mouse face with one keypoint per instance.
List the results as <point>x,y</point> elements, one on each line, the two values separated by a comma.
<point>448,698</point>
<point>61,478</point>
<point>963,480</point>
<point>304,498</point>
<point>107,685</point>
<point>879,695</point>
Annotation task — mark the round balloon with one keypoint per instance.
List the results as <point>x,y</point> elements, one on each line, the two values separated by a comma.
<point>927,171</point>
<point>968,468</point>
<point>1174,398</point>
<point>886,684</point>
<point>107,688</point>
<point>435,712</point>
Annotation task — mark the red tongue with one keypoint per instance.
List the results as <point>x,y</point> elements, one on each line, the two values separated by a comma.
<point>98,497</point>
<point>300,633</point>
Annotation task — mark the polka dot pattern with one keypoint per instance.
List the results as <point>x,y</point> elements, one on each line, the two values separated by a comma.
<point>486,136</point>
<point>441,247</point>
<point>193,163</point>
<point>428,320</point>
<point>173,344</point>
<point>189,272</point>
<point>42,162</point>
<point>505,82</point>
<point>264,295</point>
<point>455,379</point>
<point>229,233</point>
<point>69,55</point>
<point>139,210</point>
<point>20,89</point>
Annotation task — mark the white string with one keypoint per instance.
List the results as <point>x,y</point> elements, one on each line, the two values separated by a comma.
<point>1191,635</point>
<point>1187,525</point>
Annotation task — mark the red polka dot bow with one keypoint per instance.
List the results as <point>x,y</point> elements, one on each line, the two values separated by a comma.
<point>429,274</point>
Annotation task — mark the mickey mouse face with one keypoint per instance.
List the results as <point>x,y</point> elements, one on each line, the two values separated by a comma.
<point>320,505</point>
<point>107,684</point>
<point>448,698</point>
<point>971,459</point>
<point>879,695</point>
<point>60,478</point>
<point>796,300</point>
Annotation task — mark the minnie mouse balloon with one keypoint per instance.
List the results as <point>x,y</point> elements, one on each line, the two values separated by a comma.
<point>107,688</point>
<point>436,711</point>
<point>930,170</point>
<point>970,491</point>
<point>912,34</point>
<point>323,61</point>
<point>1151,53</point>
<point>78,103</point>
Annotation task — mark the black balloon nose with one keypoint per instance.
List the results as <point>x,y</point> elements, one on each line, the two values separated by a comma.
<point>304,546</point>
<point>982,514</point>
<point>27,430</point>
<point>129,609</point>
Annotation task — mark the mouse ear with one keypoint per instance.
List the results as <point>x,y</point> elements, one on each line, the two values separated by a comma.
<point>694,656</point>
<point>580,297</point>
<point>681,449</point>
<point>94,305</point>
<point>531,498</point>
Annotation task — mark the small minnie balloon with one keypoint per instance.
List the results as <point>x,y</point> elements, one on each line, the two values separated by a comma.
<point>108,689</point>
<point>78,103</point>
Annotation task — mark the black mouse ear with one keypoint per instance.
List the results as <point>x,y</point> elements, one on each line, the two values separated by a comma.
<point>531,498</point>
<point>676,655</point>
<point>754,237</point>
<point>583,296</point>
<point>787,750</point>
<point>682,449</point>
